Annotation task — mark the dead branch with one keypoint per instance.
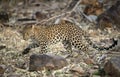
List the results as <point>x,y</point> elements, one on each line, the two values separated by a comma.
<point>72,5</point>
<point>63,14</point>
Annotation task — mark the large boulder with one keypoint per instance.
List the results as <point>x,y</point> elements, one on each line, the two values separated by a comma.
<point>112,67</point>
<point>50,62</point>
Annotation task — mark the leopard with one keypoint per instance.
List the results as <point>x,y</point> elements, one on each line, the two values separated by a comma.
<point>69,34</point>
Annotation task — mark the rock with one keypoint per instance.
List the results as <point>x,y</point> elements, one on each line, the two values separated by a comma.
<point>4,17</point>
<point>1,75</point>
<point>95,8</point>
<point>40,15</point>
<point>21,64</point>
<point>108,18</point>
<point>13,75</point>
<point>89,61</point>
<point>112,67</point>
<point>95,67</point>
<point>96,76</point>
<point>50,62</point>
<point>77,68</point>
<point>2,69</point>
<point>2,47</point>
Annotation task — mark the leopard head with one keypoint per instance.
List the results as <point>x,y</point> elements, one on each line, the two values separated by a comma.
<point>28,32</point>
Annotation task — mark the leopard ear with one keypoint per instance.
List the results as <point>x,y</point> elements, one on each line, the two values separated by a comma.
<point>23,28</point>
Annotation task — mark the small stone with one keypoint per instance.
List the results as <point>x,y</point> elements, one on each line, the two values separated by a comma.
<point>21,64</point>
<point>112,67</point>
<point>95,67</point>
<point>2,69</point>
<point>89,61</point>
<point>4,17</point>
<point>47,61</point>
<point>77,68</point>
<point>39,15</point>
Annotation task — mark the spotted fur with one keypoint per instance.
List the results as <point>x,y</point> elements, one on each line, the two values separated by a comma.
<point>69,34</point>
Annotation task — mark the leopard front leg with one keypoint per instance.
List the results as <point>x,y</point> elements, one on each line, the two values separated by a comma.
<point>68,46</point>
<point>42,45</point>
<point>29,47</point>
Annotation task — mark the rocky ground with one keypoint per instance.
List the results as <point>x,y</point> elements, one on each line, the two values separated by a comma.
<point>54,63</point>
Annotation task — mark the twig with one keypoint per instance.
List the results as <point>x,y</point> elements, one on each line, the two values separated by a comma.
<point>63,14</point>
<point>72,5</point>
<point>53,17</point>
<point>74,8</point>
